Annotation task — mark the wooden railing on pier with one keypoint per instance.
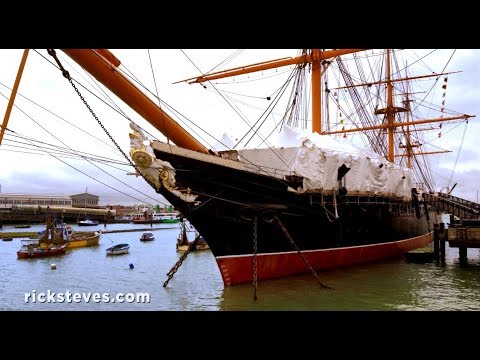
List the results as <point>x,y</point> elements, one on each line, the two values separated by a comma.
<point>446,203</point>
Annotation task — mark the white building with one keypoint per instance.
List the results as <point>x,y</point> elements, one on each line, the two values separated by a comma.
<point>8,200</point>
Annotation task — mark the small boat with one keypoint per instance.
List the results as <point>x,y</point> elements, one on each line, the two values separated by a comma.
<point>50,243</point>
<point>37,248</point>
<point>87,222</point>
<point>147,236</point>
<point>74,239</point>
<point>21,226</point>
<point>183,244</point>
<point>77,239</point>
<point>201,244</point>
<point>7,238</point>
<point>169,218</point>
<point>146,220</point>
<point>118,249</point>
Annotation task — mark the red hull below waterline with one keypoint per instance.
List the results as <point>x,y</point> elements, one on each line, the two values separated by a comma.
<point>239,269</point>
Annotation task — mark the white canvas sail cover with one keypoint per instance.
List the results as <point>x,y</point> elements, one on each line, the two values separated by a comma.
<point>317,159</point>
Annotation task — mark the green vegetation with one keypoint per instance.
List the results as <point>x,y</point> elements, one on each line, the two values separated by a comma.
<point>28,234</point>
<point>18,234</point>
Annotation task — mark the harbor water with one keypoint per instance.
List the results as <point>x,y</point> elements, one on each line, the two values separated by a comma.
<point>395,285</point>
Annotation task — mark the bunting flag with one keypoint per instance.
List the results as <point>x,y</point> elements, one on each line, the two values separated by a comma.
<point>442,108</point>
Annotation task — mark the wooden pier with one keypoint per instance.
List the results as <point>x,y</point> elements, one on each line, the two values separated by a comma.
<point>463,234</point>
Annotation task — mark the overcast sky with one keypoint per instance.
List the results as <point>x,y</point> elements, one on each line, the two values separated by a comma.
<point>47,102</point>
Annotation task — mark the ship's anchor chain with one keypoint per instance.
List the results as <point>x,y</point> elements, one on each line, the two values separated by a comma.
<point>280,225</point>
<point>175,267</point>
<point>255,223</point>
<point>254,219</point>
<point>66,74</point>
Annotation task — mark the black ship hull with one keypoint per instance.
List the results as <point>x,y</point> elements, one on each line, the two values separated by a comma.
<point>242,214</point>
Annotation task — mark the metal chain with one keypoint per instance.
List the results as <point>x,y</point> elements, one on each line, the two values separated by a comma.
<point>279,223</point>
<point>255,223</point>
<point>66,74</point>
<point>175,267</point>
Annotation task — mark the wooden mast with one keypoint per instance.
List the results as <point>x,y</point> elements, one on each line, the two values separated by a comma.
<point>390,112</point>
<point>315,58</point>
<point>396,125</point>
<point>408,141</point>
<point>14,93</point>
<point>100,64</point>
<point>316,92</point>
<point>408,146</point>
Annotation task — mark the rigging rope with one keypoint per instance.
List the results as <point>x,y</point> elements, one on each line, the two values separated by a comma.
<point>73,167</point>
<point>66,74</point>
<point>458,154</point>
<point>239,114</point>
<point>57,116</point>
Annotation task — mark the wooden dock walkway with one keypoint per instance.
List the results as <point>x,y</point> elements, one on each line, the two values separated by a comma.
<point>463,234</point>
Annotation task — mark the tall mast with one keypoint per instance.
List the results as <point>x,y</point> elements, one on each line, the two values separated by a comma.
<point>14,93</point>
<point>315,58</point>
<point>316,92</point>
<point>390,112</point>
<point>408,143</point>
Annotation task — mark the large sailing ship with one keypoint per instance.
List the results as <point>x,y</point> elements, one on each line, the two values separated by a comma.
<point>313,202</point>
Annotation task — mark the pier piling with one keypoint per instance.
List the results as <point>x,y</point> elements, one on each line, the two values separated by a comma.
<point>436,246</point>
<point>462,252</point>
<point>441,237</point>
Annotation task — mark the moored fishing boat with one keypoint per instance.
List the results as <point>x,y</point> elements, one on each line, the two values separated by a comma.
<point>50,243</point>
<point>76,239</point>
<point>184,244</point>
<point>33,248</point>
